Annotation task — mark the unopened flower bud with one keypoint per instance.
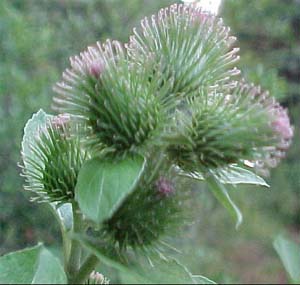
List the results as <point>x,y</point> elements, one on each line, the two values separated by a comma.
<point>52,173</point>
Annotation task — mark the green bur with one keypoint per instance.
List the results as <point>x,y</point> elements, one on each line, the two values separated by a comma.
<point>52,158</point>
<point>153,210</point>
<point>215,130</point>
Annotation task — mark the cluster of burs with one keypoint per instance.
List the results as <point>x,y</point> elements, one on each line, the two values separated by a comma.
<point>171,95</point>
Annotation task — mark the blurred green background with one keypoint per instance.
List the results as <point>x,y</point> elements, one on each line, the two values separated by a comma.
<point>36,39</point>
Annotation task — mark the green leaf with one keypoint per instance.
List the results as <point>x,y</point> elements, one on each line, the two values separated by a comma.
<point>222,195</point>
<point>160,271</point>
<point>193,175</point>
<point>155,270</point>
<point>32,127</point>
<point>49,270</point>
<point>199,279</point>
<point>238,175</point>
<point>34,265</point>
<point>19,267</point>
<point>289,253</point>
<point>230,175</point>
<point>103,184</point>
<point>111,258</point>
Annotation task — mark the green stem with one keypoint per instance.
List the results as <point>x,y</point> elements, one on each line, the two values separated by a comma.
<point>85,270</point>
<point>66,248</point>
<point>66,241</point>
<point>75,253</point>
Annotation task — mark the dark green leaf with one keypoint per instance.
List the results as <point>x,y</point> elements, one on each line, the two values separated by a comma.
<point>102,185</point>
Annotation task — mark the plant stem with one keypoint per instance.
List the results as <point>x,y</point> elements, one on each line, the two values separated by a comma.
<point>85,270</point>
<point>75,253</point>
<point>66,241</point>
<point>66,247</point>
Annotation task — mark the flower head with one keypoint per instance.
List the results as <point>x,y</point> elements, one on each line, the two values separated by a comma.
<point>218,129</point>
<point>192,46</point>
<point>113,97</point>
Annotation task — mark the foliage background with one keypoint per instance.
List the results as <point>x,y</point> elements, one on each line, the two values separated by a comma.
<point>36,39</point>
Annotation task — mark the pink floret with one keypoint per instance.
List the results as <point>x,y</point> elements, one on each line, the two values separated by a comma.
<point>282,124</point>
<point>164,186</point>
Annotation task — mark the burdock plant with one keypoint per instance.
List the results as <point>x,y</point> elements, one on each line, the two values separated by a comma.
<point>133,121</point>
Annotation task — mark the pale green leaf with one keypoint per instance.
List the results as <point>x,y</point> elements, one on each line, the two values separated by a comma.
<point>193,175</point>
<point>34,265</point>
<point>289,253</point>
<point>199,279</point>
<point>103,184</point>
<point>238,175</point>
<point>49,270</point>
<point>220,192</point>
<point>230,175</point>
<point>19,267</point>
<point>38,121</point>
